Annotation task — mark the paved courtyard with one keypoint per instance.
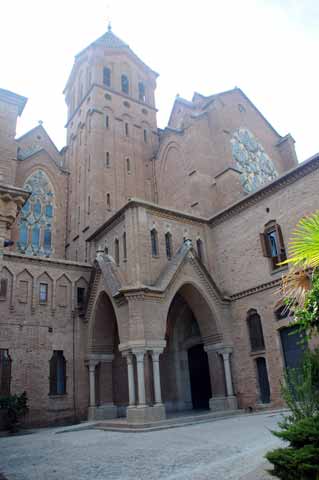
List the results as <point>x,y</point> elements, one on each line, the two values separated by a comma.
<point>227,449</point>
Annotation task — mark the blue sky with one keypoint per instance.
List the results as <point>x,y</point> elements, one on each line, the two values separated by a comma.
<point>268,48</point>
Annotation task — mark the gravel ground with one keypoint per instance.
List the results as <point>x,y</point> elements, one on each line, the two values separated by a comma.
<point>227,449</point>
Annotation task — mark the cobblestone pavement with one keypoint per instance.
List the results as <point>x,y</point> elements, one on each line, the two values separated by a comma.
<point>229,449</point>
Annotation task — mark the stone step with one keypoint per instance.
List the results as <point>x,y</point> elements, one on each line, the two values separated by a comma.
<point>121,425</point>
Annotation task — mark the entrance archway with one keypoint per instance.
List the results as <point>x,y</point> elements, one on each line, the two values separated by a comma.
<point>107,367</point>
<point>185,370</point>
<point>199,377</point>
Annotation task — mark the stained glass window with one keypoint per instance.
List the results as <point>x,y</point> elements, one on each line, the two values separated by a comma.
<point>37,217</point>
<point>255,165</point>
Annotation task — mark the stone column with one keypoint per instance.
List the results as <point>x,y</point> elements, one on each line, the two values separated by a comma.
<point>228,375</point>
<point>131,381</point>
<point>223,397</point>
<point>140,377</point>
<point>157,377</point>
<point>92,365</point>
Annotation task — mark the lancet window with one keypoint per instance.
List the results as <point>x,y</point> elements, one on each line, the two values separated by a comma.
<point>37,217</point>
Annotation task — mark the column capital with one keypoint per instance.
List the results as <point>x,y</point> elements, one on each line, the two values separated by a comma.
<point>156,353</point>
<point>91,364</point>
<point>218,348</point>
<point>139,354</point>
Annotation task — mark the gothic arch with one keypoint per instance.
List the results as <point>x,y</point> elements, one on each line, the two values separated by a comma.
<point>103,327</point>
<point>207,314</point>
<point>37,216</point>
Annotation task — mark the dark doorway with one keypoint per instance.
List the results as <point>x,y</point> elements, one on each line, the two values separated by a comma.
<point>263,381</point>
<point>293,347</point>
<point>199,377</point>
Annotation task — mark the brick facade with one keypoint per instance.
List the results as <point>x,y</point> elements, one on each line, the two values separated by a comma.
<point>159,230</point>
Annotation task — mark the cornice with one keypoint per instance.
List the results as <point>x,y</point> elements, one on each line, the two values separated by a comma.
<point>18,257</point>
<point>288,178</point>
<point>256,289</point>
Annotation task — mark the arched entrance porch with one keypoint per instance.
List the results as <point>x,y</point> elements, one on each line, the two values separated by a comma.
<point>107,367</point>
<point>195,365</point>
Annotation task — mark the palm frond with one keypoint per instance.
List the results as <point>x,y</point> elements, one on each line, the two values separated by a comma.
<point>304,245</point>
<point>295,284</point>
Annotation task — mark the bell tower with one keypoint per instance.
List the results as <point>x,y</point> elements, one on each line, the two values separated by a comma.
<point>111,135</point>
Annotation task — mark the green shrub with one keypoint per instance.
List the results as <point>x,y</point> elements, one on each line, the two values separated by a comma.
<point>300,459</point>
<point>14,406</point>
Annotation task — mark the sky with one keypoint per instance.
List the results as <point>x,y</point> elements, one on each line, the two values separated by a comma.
<point>268,48</point>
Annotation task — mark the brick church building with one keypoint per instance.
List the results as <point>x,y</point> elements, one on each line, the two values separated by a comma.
<point>138,265</point>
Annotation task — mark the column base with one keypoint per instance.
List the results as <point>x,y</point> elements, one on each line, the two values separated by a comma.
<point>106,411</point>
<point>145,414</point>
<point>217,404</point>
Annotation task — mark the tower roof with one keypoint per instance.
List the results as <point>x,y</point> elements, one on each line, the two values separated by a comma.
<point>113,42</point>
<point>109,40</point>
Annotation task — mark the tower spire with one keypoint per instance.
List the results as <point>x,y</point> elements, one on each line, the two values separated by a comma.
<point>108,17</point>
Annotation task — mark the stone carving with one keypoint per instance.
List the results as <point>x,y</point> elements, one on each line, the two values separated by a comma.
<point>251,159</point>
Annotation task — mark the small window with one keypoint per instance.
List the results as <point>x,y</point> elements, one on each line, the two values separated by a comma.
<point>89,205</point>
<point>272,244</point>
<point>125,84</point>
<point>57,373</point>
<point>124,247</point>
<point>154,242</point>
<point>168,245</point>
<point>5,372</point>
<point>255,331</point>
<point>106,249</point>
<point>106,76</point>
<point>89,163</point>
<point>108,201</point>
<point>43,293</point>
<point>128,165</point>
<point>126,129</point>
<point>107,159</point>
<point>3,288</point>
<point>145,136</point>
<point>117,251</point>
<point>107,121</point>
<point>80,293</point>
<point>199,245</point>
<point>141,92</point>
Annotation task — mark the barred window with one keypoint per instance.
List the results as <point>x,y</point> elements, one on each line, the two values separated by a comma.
<point>57,373</point>
<point>125,84</point>
<point>107,76</point>
<point>5,372</point>
<point>154,242</point>
<point>141,92</point>
<point>117,251</point>
<point>3,288</point>
<point>255,331</point>
<point>124,247</point>
<point>168,245</point>
<point>199,245</point>
<point>43,293</point>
